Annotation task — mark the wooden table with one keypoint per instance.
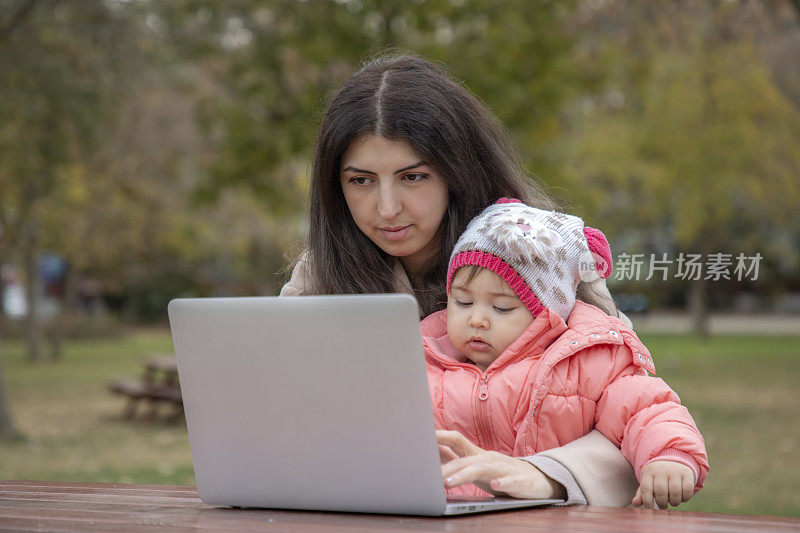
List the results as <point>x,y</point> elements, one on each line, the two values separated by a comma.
<point>158,385</point>
<point>54,506</point>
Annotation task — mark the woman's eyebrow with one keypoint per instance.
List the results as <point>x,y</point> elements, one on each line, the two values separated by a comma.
<point>362,171</point>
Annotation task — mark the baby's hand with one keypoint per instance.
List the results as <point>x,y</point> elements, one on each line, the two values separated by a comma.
<point>665,482</point>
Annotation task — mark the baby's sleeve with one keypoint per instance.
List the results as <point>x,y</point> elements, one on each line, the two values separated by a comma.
<point>644,416</point>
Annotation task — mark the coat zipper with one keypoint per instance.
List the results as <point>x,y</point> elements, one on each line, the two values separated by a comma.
<point>482,405</point>
<point>481,402</point>
<point>482,409</point>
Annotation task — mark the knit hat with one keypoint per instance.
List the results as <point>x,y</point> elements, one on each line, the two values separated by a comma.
<point>542,255</point>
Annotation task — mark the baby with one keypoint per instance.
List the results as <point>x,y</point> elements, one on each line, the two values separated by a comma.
<point>518,366</point>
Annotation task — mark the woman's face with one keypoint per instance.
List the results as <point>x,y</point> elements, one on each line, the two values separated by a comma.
<point>395,198</point>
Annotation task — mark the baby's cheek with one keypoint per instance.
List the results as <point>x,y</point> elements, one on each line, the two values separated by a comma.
<point>452,317</point>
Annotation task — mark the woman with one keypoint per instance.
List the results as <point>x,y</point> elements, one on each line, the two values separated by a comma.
<point>405,158</point>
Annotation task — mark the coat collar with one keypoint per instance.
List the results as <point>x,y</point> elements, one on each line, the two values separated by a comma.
<point>544,329</point>
<point>548,336</point>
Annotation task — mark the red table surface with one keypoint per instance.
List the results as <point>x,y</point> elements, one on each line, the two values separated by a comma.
<point>66,506</point>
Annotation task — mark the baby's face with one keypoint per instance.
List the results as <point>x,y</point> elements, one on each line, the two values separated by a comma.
<point>485,316</point>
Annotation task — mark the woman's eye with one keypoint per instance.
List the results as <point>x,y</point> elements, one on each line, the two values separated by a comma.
<point>360,180</point>
<point>415,178</point>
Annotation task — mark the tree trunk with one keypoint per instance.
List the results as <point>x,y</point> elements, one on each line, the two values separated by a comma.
<point>7,429</point>
<point>698,308</point>
<point>3,318</point>
<point>34,333</point>
<point>63,321</point>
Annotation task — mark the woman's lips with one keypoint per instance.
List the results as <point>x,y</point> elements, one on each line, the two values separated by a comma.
<point>395,233</point>
<point>479,346</point>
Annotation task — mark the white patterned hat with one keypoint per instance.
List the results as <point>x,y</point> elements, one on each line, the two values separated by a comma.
<point>542,255</point>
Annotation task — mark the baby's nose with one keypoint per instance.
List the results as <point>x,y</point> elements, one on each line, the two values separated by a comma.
<point>479,319</point>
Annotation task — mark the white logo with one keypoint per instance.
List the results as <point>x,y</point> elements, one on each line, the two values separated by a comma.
<point>590,265</point>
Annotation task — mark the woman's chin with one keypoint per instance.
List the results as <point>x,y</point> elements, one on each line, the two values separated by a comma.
<point>402,248</point>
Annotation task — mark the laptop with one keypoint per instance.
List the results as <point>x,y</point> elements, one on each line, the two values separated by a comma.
<point>315,403</point>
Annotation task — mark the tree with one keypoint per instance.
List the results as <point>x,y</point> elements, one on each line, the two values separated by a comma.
<point>694,144</point>
<point>273,65</point>
<point>10,21</point>
<point>61,64</point>
<point>7,427</point>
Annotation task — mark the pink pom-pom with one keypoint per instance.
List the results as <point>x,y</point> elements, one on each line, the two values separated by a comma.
<point>598,244</point>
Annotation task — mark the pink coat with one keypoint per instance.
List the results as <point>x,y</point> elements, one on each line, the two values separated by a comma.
<point>557,382</point>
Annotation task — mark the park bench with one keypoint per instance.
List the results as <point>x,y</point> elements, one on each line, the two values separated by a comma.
<point>158,386</point>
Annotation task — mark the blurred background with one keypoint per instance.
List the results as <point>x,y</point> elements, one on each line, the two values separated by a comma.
<point>150,150</point>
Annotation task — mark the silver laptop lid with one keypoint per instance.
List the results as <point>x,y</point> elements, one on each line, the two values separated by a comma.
<point>317,402</point>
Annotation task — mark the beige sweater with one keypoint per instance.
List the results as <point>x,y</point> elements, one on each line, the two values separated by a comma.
<point>591,468</point>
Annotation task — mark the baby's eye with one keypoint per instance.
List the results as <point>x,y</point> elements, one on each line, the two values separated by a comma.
<point>504,309</point>
<point>415,178</point>
<point>463,304</point>
<point>360,180</point>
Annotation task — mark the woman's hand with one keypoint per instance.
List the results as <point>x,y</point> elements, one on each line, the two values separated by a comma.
<point>665,482</point>
<point>493,472</point>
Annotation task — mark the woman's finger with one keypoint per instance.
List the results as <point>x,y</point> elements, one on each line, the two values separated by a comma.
<point>457,442</point>
<point>501,475</point>
<point>478,473</point>
<point>516,486</point>
<point>483,460</point>
<point>446,454</point>
<point>500,484</point>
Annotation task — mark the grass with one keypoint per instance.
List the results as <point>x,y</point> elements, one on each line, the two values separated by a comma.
<point>743,393</point>
<point>72,426</point>
<point>741,390</point>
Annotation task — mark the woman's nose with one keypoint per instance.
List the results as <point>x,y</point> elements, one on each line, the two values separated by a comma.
<point>389,203</point>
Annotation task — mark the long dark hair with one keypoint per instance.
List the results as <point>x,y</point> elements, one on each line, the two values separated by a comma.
<point>407,97</point>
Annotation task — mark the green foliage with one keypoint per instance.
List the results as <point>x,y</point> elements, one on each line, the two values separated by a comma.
<point>58,74</point>
<point>275,63</point>
<point>690,146</point>
<point>163,147</point>
<point>101,161</point>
